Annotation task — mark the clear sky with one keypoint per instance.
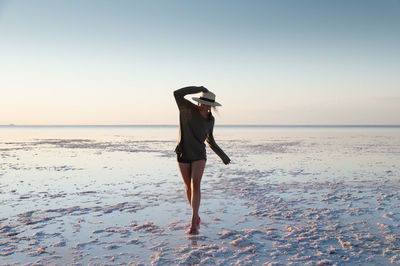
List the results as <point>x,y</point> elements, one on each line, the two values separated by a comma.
<point>268,62</point>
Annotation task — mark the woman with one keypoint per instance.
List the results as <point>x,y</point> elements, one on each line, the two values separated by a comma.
<point>196,125</point>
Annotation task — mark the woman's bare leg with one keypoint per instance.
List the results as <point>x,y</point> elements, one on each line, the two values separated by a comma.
<point>185,169</point>
<point>196,175</point>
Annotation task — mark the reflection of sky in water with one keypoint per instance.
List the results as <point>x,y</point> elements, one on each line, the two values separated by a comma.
<point>144,156</point>
<point>137,166</point>
<point>96,133</point>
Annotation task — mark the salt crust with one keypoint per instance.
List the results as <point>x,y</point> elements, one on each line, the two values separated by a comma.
<point>302,223</point>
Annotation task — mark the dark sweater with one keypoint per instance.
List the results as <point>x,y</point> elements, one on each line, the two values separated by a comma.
<point>194,129</point>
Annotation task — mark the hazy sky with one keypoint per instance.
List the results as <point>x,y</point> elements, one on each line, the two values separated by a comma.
<point>269,62</point>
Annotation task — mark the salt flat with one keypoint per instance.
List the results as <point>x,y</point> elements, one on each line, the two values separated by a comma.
<point>115,196</point>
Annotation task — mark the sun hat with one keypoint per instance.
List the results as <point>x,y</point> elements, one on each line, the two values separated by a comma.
<point>207,98</point>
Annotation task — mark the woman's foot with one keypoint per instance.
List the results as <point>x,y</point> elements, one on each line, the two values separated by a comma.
<point>192,231</point>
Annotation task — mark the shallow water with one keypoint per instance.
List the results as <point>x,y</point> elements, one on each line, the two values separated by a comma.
<point>291,195</point>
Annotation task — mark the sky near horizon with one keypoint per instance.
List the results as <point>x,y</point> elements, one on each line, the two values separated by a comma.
<point>268,62</point>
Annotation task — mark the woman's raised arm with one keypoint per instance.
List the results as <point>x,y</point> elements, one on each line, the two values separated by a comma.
<point>180,94</point>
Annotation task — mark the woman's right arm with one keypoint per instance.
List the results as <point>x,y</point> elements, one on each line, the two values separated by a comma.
<point>180,94</point>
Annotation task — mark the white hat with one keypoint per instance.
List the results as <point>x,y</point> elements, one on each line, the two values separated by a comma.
<point>207,98</point>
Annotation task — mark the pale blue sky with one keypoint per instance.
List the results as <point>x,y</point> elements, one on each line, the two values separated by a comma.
<point>269,62</point>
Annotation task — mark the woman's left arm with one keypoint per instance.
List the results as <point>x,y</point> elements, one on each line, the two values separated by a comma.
<point>211,142</point>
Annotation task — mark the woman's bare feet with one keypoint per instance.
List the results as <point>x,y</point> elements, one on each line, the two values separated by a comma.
<point>195,222</point>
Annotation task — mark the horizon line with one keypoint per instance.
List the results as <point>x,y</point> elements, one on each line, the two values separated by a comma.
<point>220,125</point>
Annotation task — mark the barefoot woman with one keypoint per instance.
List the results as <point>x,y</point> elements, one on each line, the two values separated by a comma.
<point>196,125</point>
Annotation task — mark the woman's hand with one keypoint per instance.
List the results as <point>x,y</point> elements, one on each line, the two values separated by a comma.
<point>203,89</point>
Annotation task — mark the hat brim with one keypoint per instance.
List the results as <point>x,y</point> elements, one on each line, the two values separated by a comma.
<point>206,102</point>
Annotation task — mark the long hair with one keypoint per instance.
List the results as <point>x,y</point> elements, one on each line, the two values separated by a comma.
<point>214,109</point>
